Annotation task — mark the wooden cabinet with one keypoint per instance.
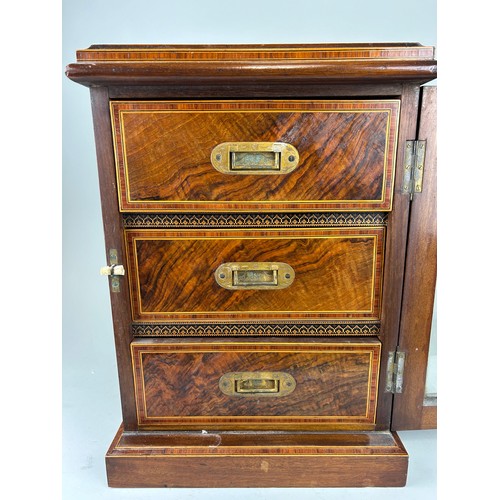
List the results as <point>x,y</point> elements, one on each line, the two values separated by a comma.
<point>256,205</point>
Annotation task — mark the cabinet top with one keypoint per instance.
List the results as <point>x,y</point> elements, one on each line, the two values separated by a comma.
<point>180,64</point>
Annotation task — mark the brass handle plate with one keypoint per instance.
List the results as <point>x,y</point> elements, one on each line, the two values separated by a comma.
<point>262,384</point>
<point>254,275</point>
<point>256,158</point>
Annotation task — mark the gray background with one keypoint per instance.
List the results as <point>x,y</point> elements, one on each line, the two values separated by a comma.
<point>91,408</point>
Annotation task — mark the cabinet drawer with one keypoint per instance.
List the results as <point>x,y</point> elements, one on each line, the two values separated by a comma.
<point>249,384</point>
<point>236,156</point>
<point>242,275</point>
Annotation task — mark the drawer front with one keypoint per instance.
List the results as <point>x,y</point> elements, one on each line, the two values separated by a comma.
<point>255,384</point>
<point>255,155</point>
<point>242,275</point>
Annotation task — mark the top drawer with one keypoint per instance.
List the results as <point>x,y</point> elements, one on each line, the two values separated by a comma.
<point>255,155</point>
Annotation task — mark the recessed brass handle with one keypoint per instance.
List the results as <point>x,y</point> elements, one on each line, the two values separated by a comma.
<point>267,384</point>
<point>254,275</point>
<point>256,158</point>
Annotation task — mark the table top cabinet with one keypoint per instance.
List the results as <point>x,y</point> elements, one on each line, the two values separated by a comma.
<point>256,204</point>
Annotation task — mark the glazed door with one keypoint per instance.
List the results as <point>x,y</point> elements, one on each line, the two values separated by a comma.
<point>415,407</point>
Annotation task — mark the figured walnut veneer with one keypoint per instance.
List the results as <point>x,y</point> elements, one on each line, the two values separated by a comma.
<point>337,274</point>
<point>346,151</point>
<point>178,384</point>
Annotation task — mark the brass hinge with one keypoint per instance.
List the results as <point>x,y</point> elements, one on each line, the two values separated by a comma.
<point>414,167</point>
<point>395,372</point>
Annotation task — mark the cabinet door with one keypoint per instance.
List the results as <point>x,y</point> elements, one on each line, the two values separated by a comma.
<point>413,408</point>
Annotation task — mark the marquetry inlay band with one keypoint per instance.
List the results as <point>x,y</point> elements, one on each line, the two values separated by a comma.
<point>258,329</point>
<point>253,53</point>
<point>255,220</point>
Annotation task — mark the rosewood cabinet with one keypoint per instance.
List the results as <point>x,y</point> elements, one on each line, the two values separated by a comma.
<point>256,205</point>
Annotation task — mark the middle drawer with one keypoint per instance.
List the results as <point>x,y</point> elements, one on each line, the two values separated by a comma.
<point>245,275</point>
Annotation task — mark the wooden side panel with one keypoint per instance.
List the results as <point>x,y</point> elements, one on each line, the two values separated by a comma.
<point>337,274</point>
<point>120,302</point>
<point>177,385</point>
<point>420,283</point>
<point>346,151</point>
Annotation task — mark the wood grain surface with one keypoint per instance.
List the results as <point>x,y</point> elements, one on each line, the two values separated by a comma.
<point>249,459</point>
<point>337,274</point>
<point>420,282</point>
<point>395,252</point>
<point>240,65</point>
<point>120,302</point>
<point>255,442</point>
<point>346,151</point>
<point>221,52</point>
<point>177,385</point>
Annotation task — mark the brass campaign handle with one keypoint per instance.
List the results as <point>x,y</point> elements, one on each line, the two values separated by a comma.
<point>256,158</point>
<point>267,384</point>
<point>254,275</point>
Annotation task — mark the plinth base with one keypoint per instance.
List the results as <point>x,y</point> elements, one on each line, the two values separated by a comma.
<point>256,459</point>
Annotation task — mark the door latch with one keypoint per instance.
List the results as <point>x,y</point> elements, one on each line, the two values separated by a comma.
<point>114,270</point>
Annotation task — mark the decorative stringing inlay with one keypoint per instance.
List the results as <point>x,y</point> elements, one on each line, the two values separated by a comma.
<point>252,220</point>
<point>221,329</point>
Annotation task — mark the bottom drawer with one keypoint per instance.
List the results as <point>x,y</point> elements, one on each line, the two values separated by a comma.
<point>248,384</point>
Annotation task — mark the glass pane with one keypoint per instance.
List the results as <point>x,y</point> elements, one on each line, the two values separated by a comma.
<point>431,378</point>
